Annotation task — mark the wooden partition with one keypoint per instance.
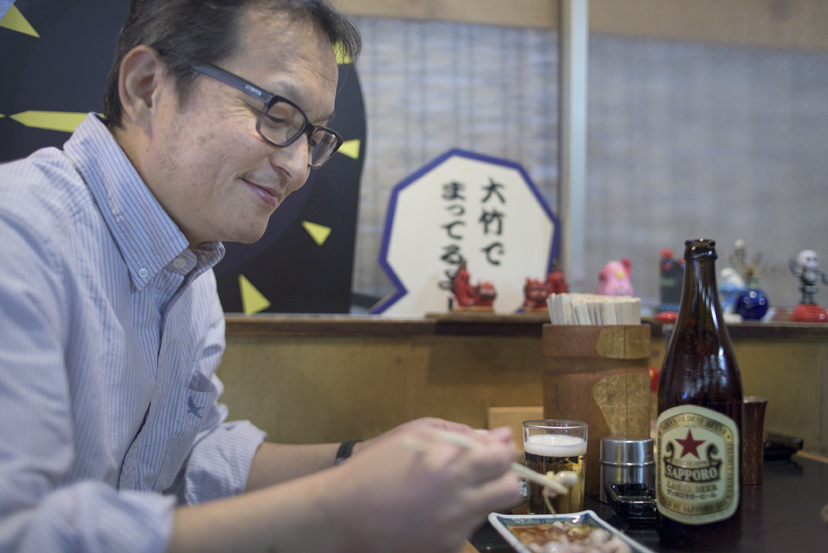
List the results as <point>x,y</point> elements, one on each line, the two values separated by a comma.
<point>311,380</point>
<point>798,25</point>
<point>307,380</point>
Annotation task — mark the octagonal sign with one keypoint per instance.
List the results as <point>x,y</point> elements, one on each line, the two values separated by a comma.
<point>465,206</point>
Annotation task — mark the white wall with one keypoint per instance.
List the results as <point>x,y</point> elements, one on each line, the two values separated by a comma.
<point>686,139</point>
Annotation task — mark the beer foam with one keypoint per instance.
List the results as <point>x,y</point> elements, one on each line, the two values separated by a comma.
<point>555,445</point>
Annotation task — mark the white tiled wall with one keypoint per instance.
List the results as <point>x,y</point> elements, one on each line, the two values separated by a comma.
<point>685,139</point>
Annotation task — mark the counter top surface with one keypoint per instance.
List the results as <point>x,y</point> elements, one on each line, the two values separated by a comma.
<point>780,515</point>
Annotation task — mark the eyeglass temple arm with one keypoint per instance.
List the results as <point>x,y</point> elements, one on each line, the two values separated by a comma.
<point>232,80</point>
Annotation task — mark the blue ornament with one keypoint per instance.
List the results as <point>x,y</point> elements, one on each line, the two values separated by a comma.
<point>751,304</point>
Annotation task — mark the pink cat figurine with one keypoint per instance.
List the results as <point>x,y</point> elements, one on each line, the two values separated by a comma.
<point>614,279</point>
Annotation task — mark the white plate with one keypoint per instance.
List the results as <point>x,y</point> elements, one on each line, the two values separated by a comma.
<point>503,523</point>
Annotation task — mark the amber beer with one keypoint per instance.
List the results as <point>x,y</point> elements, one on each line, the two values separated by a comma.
<point>699,425</point>
<point>556,452</point>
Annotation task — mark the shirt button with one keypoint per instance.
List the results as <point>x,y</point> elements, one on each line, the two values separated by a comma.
<point>179,263</point>
<point>143,272</point>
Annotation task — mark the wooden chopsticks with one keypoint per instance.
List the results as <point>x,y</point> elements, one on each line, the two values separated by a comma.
<point>524,472</point>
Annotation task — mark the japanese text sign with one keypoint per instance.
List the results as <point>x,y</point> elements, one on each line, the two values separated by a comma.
<point>464,206</point>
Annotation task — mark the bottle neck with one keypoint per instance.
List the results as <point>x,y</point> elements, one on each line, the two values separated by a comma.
<point>700,297</point>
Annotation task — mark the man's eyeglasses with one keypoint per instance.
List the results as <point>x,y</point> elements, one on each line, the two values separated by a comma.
<point>281,122</point>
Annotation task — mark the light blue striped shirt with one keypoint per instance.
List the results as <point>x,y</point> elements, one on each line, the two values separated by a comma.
<point>110,334</point>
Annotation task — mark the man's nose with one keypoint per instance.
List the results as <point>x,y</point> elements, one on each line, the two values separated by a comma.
<point>293,158</point>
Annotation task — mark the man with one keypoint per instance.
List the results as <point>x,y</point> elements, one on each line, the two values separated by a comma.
<point>111,436</point>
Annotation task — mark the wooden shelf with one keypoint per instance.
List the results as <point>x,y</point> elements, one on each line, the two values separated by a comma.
<point>473,323</point>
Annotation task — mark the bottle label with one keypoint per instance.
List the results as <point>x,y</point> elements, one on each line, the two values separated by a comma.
<point>697,465</point>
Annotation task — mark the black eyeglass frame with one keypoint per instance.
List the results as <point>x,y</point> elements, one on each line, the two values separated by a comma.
<point>268,99</point>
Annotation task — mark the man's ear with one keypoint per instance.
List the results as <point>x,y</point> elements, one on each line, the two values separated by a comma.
<point>139,82</point>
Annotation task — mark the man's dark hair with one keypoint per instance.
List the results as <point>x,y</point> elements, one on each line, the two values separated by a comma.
<point>199,31</point>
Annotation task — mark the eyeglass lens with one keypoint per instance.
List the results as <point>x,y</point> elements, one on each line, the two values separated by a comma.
<point>283,123</point>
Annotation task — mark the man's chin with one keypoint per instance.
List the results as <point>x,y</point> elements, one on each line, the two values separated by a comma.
<point>247,237</point>
<point>249,240</point>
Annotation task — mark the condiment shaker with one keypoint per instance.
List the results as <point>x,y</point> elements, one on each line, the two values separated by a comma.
<point>625,459</point>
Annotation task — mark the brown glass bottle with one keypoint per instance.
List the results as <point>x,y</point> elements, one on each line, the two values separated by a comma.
<point>699,425</point>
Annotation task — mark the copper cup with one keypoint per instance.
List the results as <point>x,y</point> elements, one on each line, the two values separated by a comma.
<point>753,443</point>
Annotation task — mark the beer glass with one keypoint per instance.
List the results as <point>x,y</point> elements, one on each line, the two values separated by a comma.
<point>552,446</point>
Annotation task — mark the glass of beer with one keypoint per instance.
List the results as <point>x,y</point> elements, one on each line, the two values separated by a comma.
<point>552,446</point>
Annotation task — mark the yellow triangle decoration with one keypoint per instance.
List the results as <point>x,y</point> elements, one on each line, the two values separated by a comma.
<point>15,21</point>
<point>252,300</point>
<point>342,57</point>
<point>51,120</point>
<point>350,148</point>
<point>317,232</point>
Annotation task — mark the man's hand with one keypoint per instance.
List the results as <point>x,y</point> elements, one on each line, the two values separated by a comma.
<point>406,491</point>
<point>411,490</point>
<point>425,422</point>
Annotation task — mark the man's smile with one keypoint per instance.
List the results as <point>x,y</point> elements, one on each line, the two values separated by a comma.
<point>269,194</point>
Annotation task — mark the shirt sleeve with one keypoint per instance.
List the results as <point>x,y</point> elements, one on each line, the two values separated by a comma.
<point>219,462</point>
<point>38,511</point>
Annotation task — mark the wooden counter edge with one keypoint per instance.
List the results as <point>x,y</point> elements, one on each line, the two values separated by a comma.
<point>449,324</point>
<point>453,324</point>
<point>239,325</point>
<point>777,330</point>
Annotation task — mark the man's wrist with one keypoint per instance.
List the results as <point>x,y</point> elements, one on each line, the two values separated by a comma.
<point>344,451</point>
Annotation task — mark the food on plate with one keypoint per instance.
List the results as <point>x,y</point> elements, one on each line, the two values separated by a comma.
<point>568,537</point>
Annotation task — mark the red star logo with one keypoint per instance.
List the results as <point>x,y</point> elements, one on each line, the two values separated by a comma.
<point>689,445</point>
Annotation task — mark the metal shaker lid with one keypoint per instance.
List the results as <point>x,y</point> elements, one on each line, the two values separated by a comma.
<point>621,449</point>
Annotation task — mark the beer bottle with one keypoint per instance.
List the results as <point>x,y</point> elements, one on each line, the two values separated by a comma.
<point>699,418</point>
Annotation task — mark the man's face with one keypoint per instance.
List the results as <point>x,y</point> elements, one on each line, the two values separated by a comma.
<point>215,175</point>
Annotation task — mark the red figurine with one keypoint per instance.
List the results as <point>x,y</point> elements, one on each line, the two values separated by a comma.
<point>535,293</point>
<point>555,282</point>
<point>480,297</point>
<point>463,291</point>
<point>485,293</point>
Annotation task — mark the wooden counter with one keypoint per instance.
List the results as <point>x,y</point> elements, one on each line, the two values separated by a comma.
<point>449,324</point>
<point>331,378</point>
<point>782,514</point>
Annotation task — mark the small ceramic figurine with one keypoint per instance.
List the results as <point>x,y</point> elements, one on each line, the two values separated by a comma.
<point>806,268</point>
<point>480,297</point>
<point>485,294</point>
<point>730,284</point>
<point>751,302</point>
<point>463,290</point>
<point>555,281</point>
<point>671,278</point>
<point>749,270</point>
<point>535,293</point>
<point>614,279</point>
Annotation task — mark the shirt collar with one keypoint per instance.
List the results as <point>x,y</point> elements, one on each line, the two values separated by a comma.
<point>145,234</point>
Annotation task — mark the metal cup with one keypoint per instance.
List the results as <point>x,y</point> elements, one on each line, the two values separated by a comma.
<point>625,460</point>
